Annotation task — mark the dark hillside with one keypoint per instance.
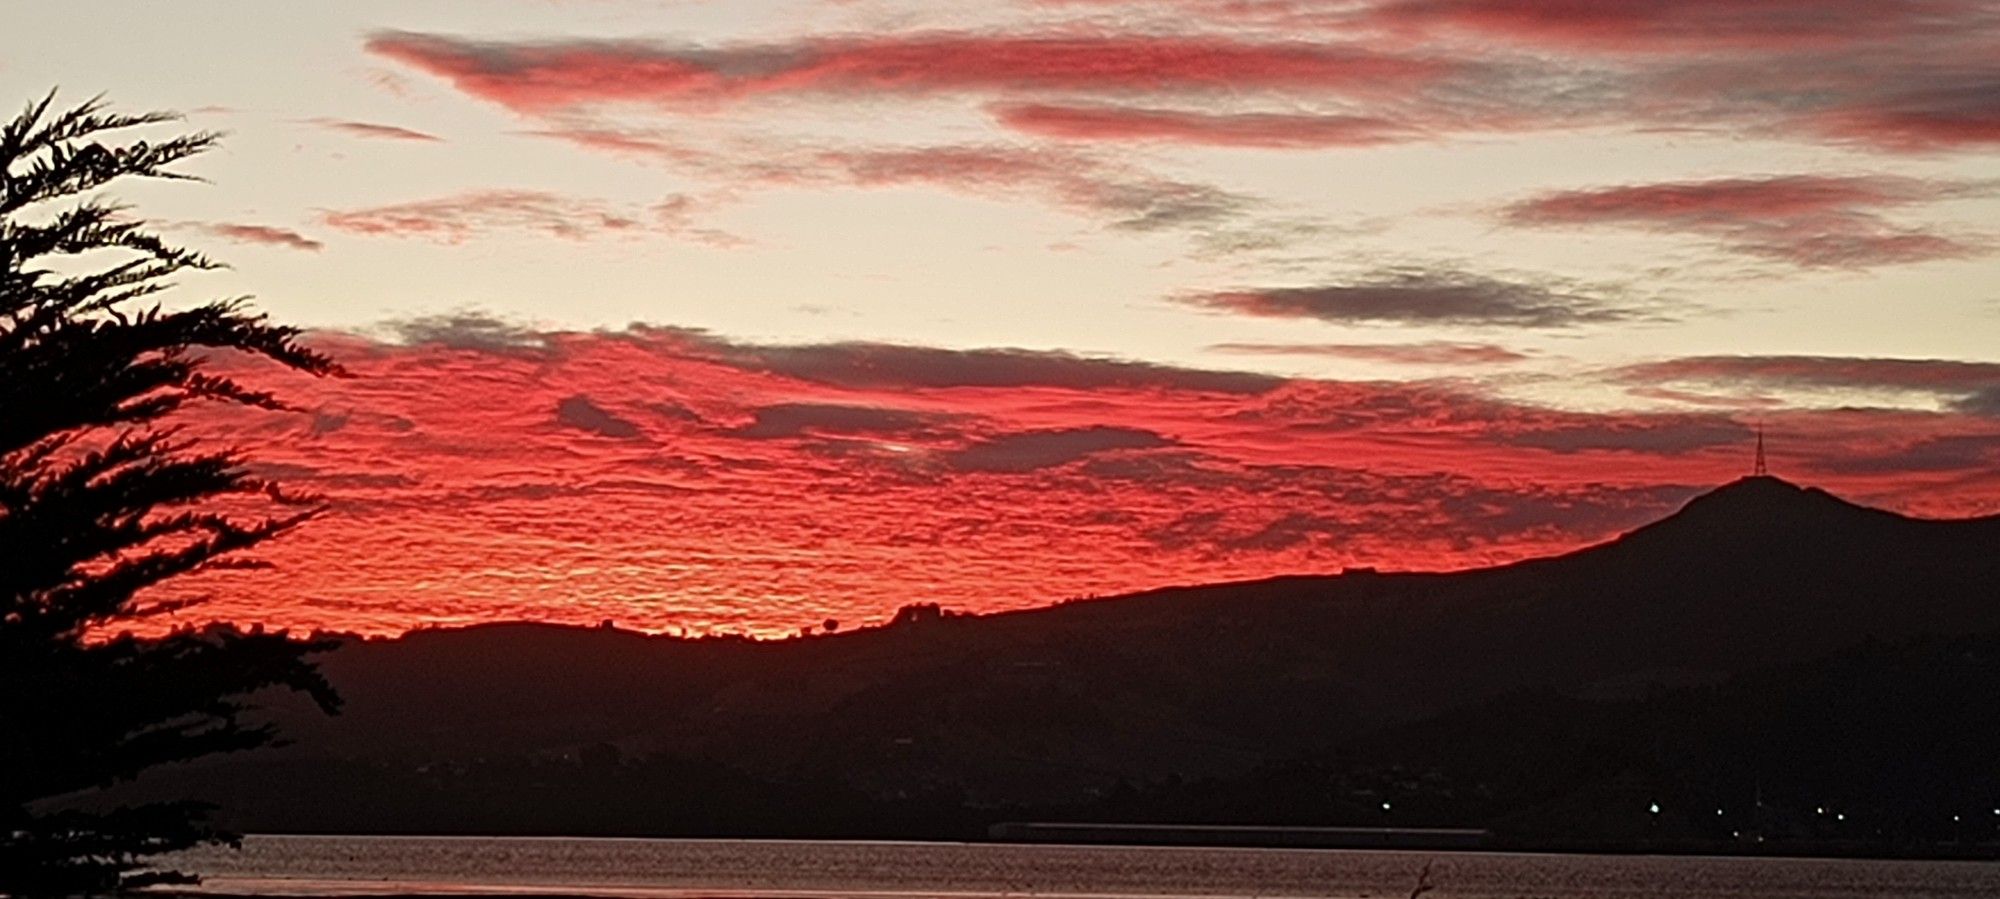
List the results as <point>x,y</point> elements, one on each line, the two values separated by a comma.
<point>1061,704</point>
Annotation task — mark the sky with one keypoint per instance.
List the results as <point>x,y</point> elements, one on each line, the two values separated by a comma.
<point>734,316</point>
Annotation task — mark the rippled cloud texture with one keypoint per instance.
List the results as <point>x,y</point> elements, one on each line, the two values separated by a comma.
<point>672,479</point>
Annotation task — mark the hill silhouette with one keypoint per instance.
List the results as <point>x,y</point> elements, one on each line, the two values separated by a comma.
<point>1072,705</point>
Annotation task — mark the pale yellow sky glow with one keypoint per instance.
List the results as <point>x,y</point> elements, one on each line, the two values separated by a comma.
<point>800,252</point>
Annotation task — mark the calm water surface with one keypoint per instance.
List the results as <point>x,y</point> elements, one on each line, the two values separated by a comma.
<point>852,870</point>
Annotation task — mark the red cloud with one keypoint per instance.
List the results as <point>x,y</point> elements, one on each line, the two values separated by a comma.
<point>1904,76</point>
<point>611,140</point>
<point>456,218</point>
<point>264,234</point>
<point>1723,201</point>
<point>1946,113</point>
<point>1679,24</point>
<point>667,478</point>
<point>374,130</point>
<point>1121,198</point>
<point>1432,353</point>
<point>1806,220</point>
<point>537,77</point>
<point>1112,123</point>
<point>952,166</point>
<point>1691,398</point>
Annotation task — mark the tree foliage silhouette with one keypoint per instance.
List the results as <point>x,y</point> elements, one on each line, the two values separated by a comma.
<point>103,500</point>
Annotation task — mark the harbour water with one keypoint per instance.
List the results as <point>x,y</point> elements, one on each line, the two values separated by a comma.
<point>327,865</point>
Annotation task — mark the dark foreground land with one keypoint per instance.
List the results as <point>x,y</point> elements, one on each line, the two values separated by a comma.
<point>1769,670</point>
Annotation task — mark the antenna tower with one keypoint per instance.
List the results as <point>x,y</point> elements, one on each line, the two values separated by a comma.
<point>1759,469</point>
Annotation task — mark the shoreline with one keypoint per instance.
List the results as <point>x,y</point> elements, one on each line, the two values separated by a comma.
<point>1772,850</point>
<point>552,867</point>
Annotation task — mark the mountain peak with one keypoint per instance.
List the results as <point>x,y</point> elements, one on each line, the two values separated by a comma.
<point>1753,510</point>
<point>1758,488</point>
<point>1765,493</point>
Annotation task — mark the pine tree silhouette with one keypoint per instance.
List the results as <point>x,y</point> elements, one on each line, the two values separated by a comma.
<point>102,498</point>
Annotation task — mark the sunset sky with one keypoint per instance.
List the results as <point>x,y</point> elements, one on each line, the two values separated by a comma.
<point>736,315</point>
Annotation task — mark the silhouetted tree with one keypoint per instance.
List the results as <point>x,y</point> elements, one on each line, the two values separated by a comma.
<point>918,613</point>
<point>102,500</point>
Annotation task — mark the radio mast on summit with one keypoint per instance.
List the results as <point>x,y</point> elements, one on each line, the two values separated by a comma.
<point>1758,468</point>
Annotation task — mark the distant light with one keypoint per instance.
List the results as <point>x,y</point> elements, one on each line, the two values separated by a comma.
<point>1718,811</point>
<point>1385,806</point>
<point>1840,817</point>
<point>1655,809</point>
<point>1822,810</point>
<point>1954,817</point>
<point>1736,833</point>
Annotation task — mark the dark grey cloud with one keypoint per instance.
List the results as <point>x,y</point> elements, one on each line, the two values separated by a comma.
<point>329,420</point>
<point>1285,532</point>
<point>1811,221</point>
<point>1421,297</point>
<point>800,419</point>
<point>672,411</point>
<point>878,365</point>
<point>1658,435</point>
<point>326,422</point>
<point>1986,401</point>
<point>1436,352</point>
<point>582,413</point>
<point>269,235</point>
<point>1970,387</point>
<point>1033,450</point>
<point>1120,197</point>
<point>1587,513</point>
<point>467,331</point>
<point>1958,452</point>
<point>1167,205</point>
<point>375,130</point>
